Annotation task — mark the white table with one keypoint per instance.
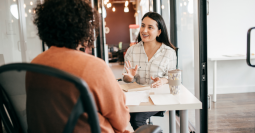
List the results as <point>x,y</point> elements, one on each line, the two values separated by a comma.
<point>187,101</point>
<point>222,58</point>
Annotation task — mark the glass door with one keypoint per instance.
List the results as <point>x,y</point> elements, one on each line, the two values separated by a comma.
<point>230,80</point>
<point>185,41</point>
<point>19,39</point>
<point>10,40</point>
<point>33,42</point>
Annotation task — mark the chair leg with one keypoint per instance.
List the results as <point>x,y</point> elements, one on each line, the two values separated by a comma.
<point>150,123</point>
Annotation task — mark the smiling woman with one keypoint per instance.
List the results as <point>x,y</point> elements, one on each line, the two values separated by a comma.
<point>154,54</point>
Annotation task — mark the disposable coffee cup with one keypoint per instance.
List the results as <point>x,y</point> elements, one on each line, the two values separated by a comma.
<point>174,81</point>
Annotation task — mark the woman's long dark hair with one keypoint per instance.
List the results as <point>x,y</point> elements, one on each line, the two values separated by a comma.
<point>163,37</point>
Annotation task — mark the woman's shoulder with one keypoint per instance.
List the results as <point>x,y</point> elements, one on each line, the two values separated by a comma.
<point>168,48</point>
<point>136,46</point>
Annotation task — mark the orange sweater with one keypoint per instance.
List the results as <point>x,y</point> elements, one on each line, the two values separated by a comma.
<point>113,114</point>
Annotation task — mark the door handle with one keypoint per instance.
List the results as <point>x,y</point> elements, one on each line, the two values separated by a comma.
<point>248,55</point>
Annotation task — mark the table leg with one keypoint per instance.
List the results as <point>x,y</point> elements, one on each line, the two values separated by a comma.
<point>214,81</point>
<point>184,126</point>
<point>172,122</point>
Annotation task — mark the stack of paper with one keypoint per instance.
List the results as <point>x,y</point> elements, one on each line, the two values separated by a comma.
<point>134,87</point>
<point>164,99</point>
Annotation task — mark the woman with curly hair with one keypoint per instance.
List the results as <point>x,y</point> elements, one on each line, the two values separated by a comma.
<point>65,26</point>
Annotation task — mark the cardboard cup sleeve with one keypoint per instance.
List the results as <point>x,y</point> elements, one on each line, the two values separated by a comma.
<point>174,81</point>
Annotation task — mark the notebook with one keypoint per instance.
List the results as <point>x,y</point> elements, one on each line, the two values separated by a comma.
<point>134,87</point>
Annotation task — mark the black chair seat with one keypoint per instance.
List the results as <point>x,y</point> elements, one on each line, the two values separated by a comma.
<point>160,114</point>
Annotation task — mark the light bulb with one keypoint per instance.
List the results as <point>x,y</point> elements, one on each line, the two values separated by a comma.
<point>25,6</point>
<point>181,4</point>
<point>105,2</point>
<point>126,9</point>
<point>126,3</point>
<point>162,6</point>
<point>31,3</point>
<point>109,5</point>
<point>184,3</point>
<point>113,9</point>
<point>29,10</point>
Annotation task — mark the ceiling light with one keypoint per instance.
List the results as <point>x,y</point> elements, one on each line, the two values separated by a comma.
<point>109,5</point>
<point>29,10</point>
<point>31,3</point>
<point>14,11</point>
<point>126,3</point>
<point>25,6</point>
<point>113,9</point>
<point>126,9</point>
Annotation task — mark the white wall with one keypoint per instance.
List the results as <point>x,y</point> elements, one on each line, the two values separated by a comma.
<point>228,22</point>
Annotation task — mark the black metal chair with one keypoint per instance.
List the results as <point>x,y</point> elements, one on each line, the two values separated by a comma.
<point>13,98</point>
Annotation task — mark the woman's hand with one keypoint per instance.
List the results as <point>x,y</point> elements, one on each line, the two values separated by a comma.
<point>158,82</point>
<point>130,72</point>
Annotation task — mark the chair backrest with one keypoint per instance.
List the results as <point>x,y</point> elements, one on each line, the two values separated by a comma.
<point>15,79</point>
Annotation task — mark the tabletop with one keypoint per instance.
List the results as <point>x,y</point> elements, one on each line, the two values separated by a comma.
<point>185,101</point>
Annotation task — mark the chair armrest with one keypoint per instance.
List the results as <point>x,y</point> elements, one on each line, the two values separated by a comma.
<point>148,129</point>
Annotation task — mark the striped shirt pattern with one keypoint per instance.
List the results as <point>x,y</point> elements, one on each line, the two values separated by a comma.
<point>162,61</point>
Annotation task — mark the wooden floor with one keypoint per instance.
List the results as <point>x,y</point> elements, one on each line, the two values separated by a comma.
<point>232,113</point>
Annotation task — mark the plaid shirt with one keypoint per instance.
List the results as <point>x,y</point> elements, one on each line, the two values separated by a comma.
<point>162,61</point>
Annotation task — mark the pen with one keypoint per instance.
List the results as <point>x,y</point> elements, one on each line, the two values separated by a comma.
<point>134,67</point>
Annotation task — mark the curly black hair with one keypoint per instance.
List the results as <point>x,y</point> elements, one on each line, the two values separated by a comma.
<point>66,23</point>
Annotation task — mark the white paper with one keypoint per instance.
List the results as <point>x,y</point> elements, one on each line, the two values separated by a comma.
<point>164,89</point>
<point>164,99</point>
<point>144,95</point>
<point>136,97</point>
